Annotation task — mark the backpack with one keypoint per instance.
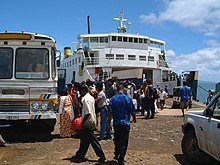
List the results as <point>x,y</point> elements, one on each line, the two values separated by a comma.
<point>156,94</point>
<point>153,93</point>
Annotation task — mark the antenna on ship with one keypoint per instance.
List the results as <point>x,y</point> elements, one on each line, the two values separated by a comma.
<point>121,28</point>
<point>88,23</point>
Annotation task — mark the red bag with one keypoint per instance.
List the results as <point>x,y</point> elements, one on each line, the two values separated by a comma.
<point>76,124</point>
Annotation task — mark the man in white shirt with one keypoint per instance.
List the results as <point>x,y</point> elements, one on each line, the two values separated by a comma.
<point>163,96</point>
<point>88,125</point>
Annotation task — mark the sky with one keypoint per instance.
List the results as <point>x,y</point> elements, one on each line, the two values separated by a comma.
<point>190,28</point>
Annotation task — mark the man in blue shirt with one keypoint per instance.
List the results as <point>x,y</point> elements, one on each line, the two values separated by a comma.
<point>184,96</point>
<point>121,107</point>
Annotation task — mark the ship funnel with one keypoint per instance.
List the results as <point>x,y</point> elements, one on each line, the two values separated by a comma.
<point>67,52</point>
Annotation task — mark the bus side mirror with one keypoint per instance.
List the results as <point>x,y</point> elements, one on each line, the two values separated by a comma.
<point>58,63</point>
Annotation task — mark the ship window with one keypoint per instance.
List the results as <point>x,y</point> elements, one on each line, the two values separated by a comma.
<point>150,58</point>
<point>79,59</point>
<point>154,44</point>
<point>125,39</point>
<point>130,39</point>
<point>145,41</point>
<point>94,39</point>
<point>119,38</point>
<point>131,57</point>
<point>103,39</point>
<point>109,56</point>
<point>73,61</point>
<point>113,38</point>
<point>140,40</point>
<point>119,56</point>
<point>70,63</point>
<point>142,58</point>
<point>135,40</point>
<point>65,65</point>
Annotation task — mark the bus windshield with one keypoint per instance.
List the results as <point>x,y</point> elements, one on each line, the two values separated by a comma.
<point>6,62</point>
<point>32,63</point>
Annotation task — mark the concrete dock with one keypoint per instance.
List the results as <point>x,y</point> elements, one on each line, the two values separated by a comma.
<point>177,112</point>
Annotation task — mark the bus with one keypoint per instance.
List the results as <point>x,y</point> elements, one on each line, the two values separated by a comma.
<point>28,80</point>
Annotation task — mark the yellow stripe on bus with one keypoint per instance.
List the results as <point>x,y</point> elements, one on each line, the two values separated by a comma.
<point>41,96</point>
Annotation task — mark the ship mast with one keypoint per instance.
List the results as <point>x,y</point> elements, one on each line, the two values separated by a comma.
<point>121,28</point>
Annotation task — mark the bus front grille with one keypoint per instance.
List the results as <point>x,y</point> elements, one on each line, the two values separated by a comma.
<point>14,106</point>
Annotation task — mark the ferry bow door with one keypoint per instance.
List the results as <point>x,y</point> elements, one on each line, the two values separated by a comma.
<point>61,79</point>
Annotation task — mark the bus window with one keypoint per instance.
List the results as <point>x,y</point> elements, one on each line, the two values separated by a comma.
<point>32,63</point>
<point>6,61</point>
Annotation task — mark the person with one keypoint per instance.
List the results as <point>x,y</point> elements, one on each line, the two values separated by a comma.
<point>76,103</point>
<point>156,97</point>
<point>121,107</point>
<point>150,99</point>
<point>110,90</point>
<point>163,96</point>
<point>39,68</point>
<point>130,89</point>
<point>2,142</point>
<point>66,114</point>
<point>143,100</point>
<point>103,108</point>
<point>87,135</point>
<point>184,97</point>
<point>71,91</point>
<point>166,89</point>
<point>211,95</point>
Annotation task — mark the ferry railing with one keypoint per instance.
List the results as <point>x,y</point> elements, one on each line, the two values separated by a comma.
<point>138,62</point>
<point>162,63</point>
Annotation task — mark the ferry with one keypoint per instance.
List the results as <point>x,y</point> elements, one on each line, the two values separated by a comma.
<point>119,55</point>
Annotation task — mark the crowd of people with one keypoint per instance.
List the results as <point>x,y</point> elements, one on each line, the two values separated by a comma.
<point>109,107</point>
<point>105,107</point>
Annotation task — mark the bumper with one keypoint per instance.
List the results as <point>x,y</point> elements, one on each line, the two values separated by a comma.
<point>25,116</point>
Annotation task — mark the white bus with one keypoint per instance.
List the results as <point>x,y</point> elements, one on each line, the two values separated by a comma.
<point>28,79</point>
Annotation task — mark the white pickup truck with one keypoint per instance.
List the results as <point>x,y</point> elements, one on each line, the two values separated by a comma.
<point>202,133</point>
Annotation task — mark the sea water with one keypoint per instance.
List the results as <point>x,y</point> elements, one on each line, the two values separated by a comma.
<point>202,90</point>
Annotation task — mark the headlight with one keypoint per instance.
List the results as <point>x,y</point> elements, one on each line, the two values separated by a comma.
<point>44,105</point>
<point>36,105</point>
<point>41,105</point>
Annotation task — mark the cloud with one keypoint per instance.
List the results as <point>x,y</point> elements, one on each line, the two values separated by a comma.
<point>201,15</point>
<point>151,18</point>
<point>206,61</point>
<point>212,43</point>
<point>170,53</point>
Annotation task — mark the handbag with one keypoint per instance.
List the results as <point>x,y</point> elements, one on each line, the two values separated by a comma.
<point>90,123</point>
<point>77,123</point>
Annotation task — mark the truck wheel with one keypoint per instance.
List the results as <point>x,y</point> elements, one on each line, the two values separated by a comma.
<point>191,149</point>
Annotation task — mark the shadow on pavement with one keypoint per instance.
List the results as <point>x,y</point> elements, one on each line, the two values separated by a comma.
<point>107,162</point>
<point>181,159</point>
<point>25,135</point>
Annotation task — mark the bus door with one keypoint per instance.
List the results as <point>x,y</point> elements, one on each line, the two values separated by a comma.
<point>61,80</point>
